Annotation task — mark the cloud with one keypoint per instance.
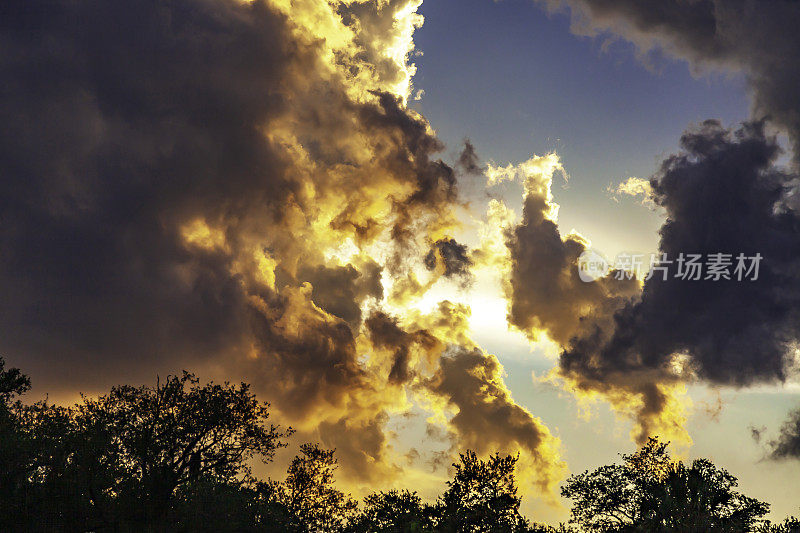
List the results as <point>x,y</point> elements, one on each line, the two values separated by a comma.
<point>547,296</point>
<point>737,332</point>
<point>787,444</point>
<point>544,288</point>
<point>636,349</point>
<point>131,122</point>
<point>724,192</point>
<point>468,160</point>
<point>635,187</point>
<point>450,258</point>
<point>407,348</point>
<point>236,188</point>
<point>487,419</point>
<point>342,290</point>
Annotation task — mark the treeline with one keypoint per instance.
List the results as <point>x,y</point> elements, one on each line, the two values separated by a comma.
<point>175,457</point>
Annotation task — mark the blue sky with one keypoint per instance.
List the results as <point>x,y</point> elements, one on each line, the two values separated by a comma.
<point>514,80</point>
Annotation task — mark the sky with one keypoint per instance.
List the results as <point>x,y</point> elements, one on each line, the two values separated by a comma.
<point>609,116</point>
<point>513,79</point>
<point>374,212</point>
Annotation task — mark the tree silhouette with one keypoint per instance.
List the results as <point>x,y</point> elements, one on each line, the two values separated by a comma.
<point>150,441</point>
<point>789,525</point>
<point>607,499</point>
<point>309,494</point>
<point>13,383</point>
<point>176,457</point>
<point>650,492</point>
<point>16,459</point>
<point>696,498</point>
<point>482,496</point>
<point>395,512</point>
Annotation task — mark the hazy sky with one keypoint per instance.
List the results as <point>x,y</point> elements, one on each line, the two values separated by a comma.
<point>279,191</point>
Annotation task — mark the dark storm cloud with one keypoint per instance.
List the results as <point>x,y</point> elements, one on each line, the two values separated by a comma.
<point>386,333</point>
<point>544,286</point>
<point>340,290</point>
<point>197,183</point>
<point>450,257</point>
<point>721,194</point>
<point>120,118</point>
<point>122,122</point>
<point>436,181</point>
<point>488,419</point>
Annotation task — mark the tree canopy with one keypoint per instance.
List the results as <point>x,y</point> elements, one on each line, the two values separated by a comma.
<point>651,492</point>
<point>177,457</point>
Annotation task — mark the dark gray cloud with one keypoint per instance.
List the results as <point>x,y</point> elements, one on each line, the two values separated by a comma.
<point>488,419</point>
<point>450,257</point>
<point>385,332</point>
<point>125,122</point>
<point>468,160</point>
<point>721,194</point>
<point>196,183</point>
<point>787,444</point>
<point>120,120</point>
<point>544,287</point>
<point>155,216</point>
<point>341,290</point>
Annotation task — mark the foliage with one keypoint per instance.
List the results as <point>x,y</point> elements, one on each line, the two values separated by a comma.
<point>147,442</point>
<point>12,383</point>
<point>308,492</point>
<point>789,525</point>
<point>482,496</point>
<point>650,492</point>
<point>699,497</point>
<point>395,512</point>
<point>177,457</point>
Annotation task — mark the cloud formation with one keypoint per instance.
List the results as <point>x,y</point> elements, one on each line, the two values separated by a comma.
<point>236,188</point>
<point>787,444</point>
<point>723,193</point>
<point>547,296</point>
<point>472,382</point>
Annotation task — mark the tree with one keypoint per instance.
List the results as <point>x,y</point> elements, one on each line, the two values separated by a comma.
<point>12,383</point>
<point>309,495</point>
<point>39,480</point>
<point>650,492</point>
<point>396,512</point>
<point>789,525</point>
<point>482,496</point>
<point>700,497</point>
<point>16,461</point>
<point>607,499</point>
<point>142,443</point>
